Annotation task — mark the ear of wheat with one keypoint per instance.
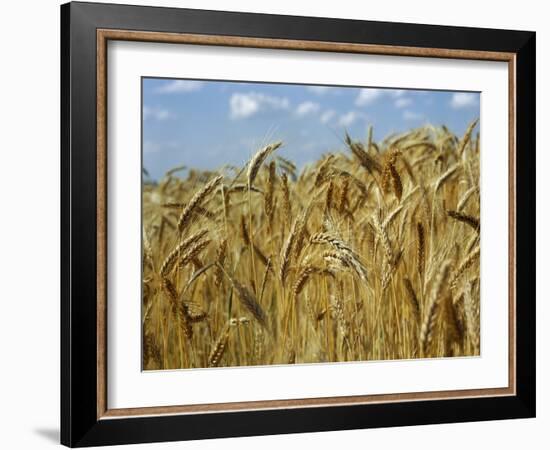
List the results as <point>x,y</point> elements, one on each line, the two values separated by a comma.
<point>258,159</point>
<point>428,323</point>
<point>249,302</point>
<point>196,201</point>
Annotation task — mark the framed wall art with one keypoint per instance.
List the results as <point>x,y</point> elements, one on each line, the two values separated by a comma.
<point>276,224</point>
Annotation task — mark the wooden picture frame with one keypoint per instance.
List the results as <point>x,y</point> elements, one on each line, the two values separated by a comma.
<point>86,418</point>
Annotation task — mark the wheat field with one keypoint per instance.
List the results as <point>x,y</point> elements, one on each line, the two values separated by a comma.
<point>370,253</point>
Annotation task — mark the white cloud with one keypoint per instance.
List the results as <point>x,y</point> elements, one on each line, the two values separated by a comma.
<point>396,93</point>
<point>402,102</point>
<point>367,96</point>
<point>156,113</point>
<point>327,116</point>
<point>307,108</point>
<point>463,100</point>
<point>179,86</point>
<point>243,105</point>
<point>320,90</point>
<point>246,105</point>
<point>412,115</point>
<point>349,118</point>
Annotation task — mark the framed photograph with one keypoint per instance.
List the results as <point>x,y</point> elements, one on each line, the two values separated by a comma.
<point>276,224</point>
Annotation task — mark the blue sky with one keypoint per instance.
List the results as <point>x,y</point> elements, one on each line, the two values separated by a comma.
<point>206,124</point>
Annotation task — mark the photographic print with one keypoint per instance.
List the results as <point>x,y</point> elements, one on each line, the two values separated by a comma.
<point>296,224</point>
<point>294,200</point>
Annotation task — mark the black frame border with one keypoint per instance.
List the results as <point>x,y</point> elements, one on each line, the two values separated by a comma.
<point>79,423</point>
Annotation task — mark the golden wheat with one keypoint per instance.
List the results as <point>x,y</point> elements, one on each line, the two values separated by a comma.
<point>369,253</point>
